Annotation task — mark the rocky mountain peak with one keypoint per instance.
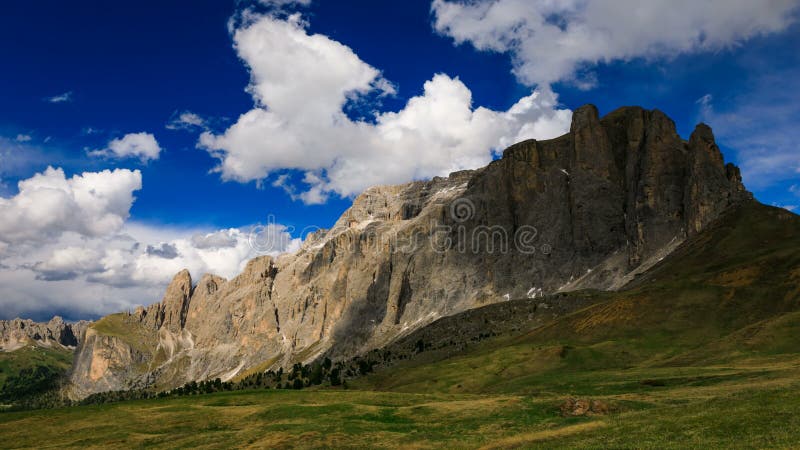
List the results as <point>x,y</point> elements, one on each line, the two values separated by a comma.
<point>584,117</point>
<point>589,209</point>
<point>176,300</point>
<point>171,312</point>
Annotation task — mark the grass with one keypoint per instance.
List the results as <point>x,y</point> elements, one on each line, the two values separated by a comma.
<point>712,407</point>
<point>277,418</point>
<point>745,419</point>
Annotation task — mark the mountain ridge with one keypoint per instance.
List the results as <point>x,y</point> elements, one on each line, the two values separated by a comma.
<point>589,209</point>
<point>17,333</point>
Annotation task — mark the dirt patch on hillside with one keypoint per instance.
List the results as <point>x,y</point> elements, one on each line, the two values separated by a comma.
<point>573,407</point>
<point>743,276</point>
<point>615,312</point>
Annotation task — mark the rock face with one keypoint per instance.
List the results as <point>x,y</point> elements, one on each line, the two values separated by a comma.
<point>55,333</point>
<point>171,312</point>
<point>588,209</point>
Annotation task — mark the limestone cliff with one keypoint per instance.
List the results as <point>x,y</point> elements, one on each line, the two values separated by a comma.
<point>588,209</point>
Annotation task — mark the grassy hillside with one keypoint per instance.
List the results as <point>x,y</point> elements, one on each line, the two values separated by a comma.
<point>702,351</point>
<point>712,408</point>
<point>30,371</point>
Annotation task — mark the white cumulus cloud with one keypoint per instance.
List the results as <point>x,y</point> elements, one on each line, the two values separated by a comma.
<point>556,40</point>
<point>301,84</point>
<point>50,204</point>
<point>139,145</point>
<point>67,246</point>
<point>68,263</point>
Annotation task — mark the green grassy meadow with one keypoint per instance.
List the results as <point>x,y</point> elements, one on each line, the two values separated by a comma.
<point>752,404</point>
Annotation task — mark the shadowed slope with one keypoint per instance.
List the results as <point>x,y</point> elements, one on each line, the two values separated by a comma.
<point>728,295</point>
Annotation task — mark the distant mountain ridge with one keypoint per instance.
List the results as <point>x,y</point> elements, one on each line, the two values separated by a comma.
<point>590,209</point>
<point>57,333</point>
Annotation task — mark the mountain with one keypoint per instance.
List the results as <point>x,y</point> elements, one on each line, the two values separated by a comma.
<point>56,333</point>
<point>698,351</point>
<point>726,300</point>
<point>595,208</point>
<point>35,359</point>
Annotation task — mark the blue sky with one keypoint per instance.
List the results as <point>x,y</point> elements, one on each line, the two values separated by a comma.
<point>79,76</point>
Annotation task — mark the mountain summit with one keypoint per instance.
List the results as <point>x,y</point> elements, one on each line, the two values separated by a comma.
<point>590,209</point>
